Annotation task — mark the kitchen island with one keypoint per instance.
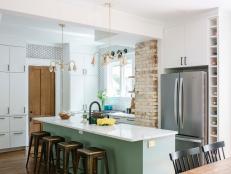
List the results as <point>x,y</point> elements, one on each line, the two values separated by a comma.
<point>131,149</point>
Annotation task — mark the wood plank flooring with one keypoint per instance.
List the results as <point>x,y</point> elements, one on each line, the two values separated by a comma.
<point>15,163</point>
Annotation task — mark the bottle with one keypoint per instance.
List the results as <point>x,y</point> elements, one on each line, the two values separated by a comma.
<point>85,116</point>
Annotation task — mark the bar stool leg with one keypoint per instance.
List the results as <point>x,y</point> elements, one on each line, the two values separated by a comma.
<point>66,162</point>
<point>89,165</point>
<point>42,156</point>
<point>28,156</point>
<point>36,145</point>
<point>48,156</point>
<point>77,162</point>
<point>74,163</point>
<point>106,163</point>
<point>58,159</point>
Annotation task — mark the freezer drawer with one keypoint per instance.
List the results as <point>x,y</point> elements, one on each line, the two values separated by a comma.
<point>183,142</point>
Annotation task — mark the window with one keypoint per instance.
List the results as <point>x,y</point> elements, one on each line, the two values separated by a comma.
<point>118,82</point>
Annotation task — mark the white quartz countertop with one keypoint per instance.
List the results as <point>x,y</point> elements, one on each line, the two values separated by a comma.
<point>126,132</point>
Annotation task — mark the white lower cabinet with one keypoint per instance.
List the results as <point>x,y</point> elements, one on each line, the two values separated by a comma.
<point>17,123</point>
<point>17,139</point>
<point>4,140</point>
<point>4,124</point>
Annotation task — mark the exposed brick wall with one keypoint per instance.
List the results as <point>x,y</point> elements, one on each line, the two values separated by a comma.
<point>146,83</point>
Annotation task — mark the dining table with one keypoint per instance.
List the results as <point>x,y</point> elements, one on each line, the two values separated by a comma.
<point>219,167</point>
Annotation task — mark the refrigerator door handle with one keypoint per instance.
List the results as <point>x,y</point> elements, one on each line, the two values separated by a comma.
<point>175,100</point>
<point>181,104</point>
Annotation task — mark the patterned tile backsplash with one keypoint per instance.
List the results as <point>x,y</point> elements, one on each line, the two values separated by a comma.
<point>119,103</point>
<point>43,51</point>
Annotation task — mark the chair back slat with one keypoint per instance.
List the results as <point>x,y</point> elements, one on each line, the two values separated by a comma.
<point>212,152</point>
<point>186,159</point>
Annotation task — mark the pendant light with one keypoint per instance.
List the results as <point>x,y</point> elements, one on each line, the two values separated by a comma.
<point>54,64</point>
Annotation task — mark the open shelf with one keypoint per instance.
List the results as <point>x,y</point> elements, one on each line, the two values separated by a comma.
<point>213,80</point>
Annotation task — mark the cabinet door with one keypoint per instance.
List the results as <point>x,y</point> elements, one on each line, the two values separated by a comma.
<point>4,93</point>
<point>90,68</point>
<point>17,93</point>
<point>90,89</point>
<point>4,124</point>
<point>173,47</point>
<point>5,58</point>
<point>17,59</point>
<point>17,139</point>
<point>4,140</point>
<point>76,92</point>
<point>195,43</point>
<point>79,60</point>
<point>17,123</point>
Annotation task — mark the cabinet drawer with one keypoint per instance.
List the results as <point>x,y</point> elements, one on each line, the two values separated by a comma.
<point>18,139</point>
<point>4,140</point>
<point>17,123</point>
<point>4,124</point>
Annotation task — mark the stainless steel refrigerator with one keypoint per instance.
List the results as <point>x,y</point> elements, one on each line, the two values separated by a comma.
<point>184,107</point>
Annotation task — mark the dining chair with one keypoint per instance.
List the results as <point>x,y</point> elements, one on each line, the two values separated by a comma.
<point>186,159</point>
<point>214,152</point>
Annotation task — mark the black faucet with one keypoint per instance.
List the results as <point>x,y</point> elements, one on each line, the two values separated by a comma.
<point>92,103</point>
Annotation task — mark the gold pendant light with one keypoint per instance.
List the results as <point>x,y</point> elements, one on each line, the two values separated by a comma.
<point>54,64</point>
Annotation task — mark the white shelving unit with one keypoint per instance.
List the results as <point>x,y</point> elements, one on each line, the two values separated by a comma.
<point>213,80</point>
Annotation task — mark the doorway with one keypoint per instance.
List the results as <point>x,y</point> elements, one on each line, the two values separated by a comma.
<point>41,95</point>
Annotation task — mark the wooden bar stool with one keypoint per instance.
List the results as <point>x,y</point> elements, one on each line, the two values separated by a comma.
<point>67,148</point>
<point>92,155</point>
<point>35,138</point>
<point>47,150</point>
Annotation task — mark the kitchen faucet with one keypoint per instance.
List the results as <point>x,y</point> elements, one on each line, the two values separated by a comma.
<point>92,103</point>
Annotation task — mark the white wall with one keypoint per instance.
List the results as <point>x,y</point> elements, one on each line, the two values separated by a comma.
<point>86,14</point>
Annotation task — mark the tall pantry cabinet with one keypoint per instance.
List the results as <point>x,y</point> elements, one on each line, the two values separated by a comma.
<point>13,97</point>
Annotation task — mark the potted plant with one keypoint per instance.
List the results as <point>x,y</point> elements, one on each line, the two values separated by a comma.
<point>102,96</point>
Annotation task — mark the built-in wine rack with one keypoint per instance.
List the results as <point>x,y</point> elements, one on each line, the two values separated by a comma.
<point>213,80</point>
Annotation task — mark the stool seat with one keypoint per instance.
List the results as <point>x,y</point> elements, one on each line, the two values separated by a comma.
<point>92,151</point>
<point>70,145</point>
<point>40,133</point>
<point>53,138</point>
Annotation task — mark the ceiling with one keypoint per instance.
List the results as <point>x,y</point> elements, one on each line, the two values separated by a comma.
<point>161,9</point>
<point>45,31</point>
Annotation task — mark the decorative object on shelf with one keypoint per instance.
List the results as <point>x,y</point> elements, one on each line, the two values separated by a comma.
<point>70,66</point>
<point>110,55</point>
<point>106,121</point>
<point>102,96</point>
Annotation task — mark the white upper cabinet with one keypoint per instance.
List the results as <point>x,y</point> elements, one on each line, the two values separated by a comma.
<point>76,93</point>
<point>4,93</point>
<point>173,47</point>
<point>4,58</point>
<point>185,45</point>
<point>91,88</point>
<point>17,94</point>
<point>17,59</point>
<point>195,43</point>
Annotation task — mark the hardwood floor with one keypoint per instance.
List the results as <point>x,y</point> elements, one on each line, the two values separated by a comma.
<point>15,163</point>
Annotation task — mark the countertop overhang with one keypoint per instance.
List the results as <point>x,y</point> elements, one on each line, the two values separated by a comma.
<point>126,132</point>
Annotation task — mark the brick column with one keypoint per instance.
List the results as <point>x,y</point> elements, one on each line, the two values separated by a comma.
<point>146,83</point>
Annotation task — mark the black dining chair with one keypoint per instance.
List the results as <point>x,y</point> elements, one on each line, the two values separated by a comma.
<point>186,159</point>
<point>214,152</point>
